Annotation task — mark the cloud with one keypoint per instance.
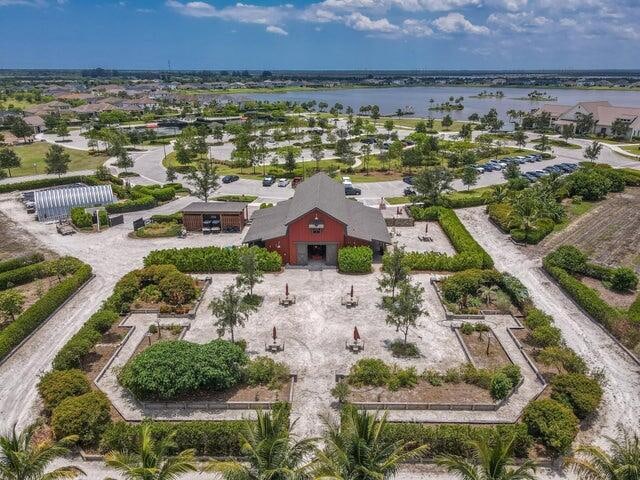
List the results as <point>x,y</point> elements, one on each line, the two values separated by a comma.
<point>240,12</point>
<point>276,30</point>
<point>416,28</point>
<point>25,3</point>
<point>519,22</point>
<point>457,23</point>
<point>362,23</point>
<point>405,5</point>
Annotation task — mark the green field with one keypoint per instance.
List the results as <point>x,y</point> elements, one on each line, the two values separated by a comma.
<point>32,156</point>
<point>561,143</point>
<point>635,149</point>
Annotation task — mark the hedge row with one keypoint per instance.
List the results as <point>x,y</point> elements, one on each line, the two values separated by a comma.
<point>32,272</point>
<point>469,253</point>
<point>37,313</point>
<point>80,218</point>
<point>167,218</point>
<point>457,439</point>
<point>19,262</point>
<point>46,182</point>
<point>142,203</point>
<point>212,259</point>
<point>355,259</point>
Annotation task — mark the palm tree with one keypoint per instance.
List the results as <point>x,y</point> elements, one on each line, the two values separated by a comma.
<point>271,453</point>
<point>21,458</point>
<point>490,462</point>
<point>360,451</point>
<point>151,460</point>
<point>488,293</point>
<point>622,463</point>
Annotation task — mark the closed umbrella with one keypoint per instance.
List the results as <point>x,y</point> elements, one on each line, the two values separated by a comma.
<point>356,334</point>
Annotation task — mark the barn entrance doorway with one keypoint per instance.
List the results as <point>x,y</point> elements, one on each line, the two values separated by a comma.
<point>317,253</point>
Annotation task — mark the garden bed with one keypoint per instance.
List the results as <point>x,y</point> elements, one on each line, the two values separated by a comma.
<point>476,346</point>
<point>618,300</point>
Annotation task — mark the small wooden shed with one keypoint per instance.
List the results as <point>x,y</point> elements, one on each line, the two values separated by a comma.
<point>215,217</point>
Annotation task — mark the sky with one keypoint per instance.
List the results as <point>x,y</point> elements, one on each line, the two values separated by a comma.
<point>321,34</point>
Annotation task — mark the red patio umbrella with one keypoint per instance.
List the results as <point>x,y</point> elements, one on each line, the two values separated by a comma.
<point>356,334</point>
<point>274,334</point>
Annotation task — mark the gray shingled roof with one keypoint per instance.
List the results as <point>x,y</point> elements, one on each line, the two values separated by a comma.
<point>321,192</point>
<point>215,207</point>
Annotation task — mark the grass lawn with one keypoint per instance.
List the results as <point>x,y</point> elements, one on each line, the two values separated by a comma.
<point>574,210</point>
<point>411,123</point>
<point>635,149</point>
<point>561,143</point>
<point>456,195</point>
<point>34,153</point>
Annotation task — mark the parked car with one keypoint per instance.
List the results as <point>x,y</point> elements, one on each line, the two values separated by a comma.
<point>268,181</point>
<point>351,190</point>
<point>529,176</point>
<point>230,178</point>
<point>408,180</point>
<point>409,192</point>
<point>480,169</point>
<point>295,181</point>
<point>283,182</point>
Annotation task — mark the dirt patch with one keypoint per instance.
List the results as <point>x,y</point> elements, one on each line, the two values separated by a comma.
<point>609,233</point>
<point>94,361</point>
<point>32,293</point>
<point>615,299</point>
<point>424,392</point>
<point>485,350</point>
<point>15,241</point>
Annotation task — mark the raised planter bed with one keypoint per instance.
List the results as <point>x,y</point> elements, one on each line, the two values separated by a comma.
<point>190,314</point>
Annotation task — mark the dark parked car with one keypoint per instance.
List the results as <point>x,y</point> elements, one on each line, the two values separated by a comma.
<point>230,178</point>
<point>409,192</point>
<point>268,181</point>
<point>408,180</point>
<point>349,190</point>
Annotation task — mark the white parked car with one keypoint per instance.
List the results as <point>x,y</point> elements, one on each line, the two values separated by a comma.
<point>283,182</point>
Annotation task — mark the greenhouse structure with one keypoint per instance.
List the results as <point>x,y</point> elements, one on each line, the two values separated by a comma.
<point>56,203</point>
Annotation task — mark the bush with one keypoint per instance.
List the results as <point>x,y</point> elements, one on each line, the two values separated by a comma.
<point>589,183</point>
<point>516,290</point>
<point>542,228</point>
<point>19,262</point>
<point>32,317</point>
<point>266,371</point>
<point>212,259</point>
<point>80,218</point>
<point>402,378</point>
<point>162,218</point>
<point>177,288</point>
<point>569,258</point>
<point>537,318</point>
<point>467,282</point>
<point>169,369</point>
<point>552,423</point>
<point>623,279</point>
<point>46,182</point>
<point>132,205</point>
<point>562,357</point>
<point>513,373</point>
<point>500,386</point>
<point>86,416</point>
<point>546,336</point>
<point>369,371</point>
<point>56,386</point>
<point>577,391</point>
<point>355,259</point>
<point>501,214</point>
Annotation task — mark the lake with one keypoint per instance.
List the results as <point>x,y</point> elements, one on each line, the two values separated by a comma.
<point>391,99</point>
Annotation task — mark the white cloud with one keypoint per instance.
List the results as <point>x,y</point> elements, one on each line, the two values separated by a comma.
<point>25,3</point>
<point>276,30</point>
<point>361,22</point>
<point>519,22</point>
<point>416,28</point>
<point>193,9</point>
<point>240,12</point>
<point>405,5</point>
<point>456,22</point>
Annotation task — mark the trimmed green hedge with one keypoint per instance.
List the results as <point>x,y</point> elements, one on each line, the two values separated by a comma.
<point>577,391</point>
<point>19,262</point>
<point>552,423</point>
<point>86,415</point>
<point>167,218</point>
<point>355,259</point>
<point>212,259</point>
<point>132,205</point>
<point>469,253</point>
<point>46,182</point>
<point>27,274</point>
<point>501,214</point>
<point>80,218</point>
<point>37,313</point>
<point>57,385</point>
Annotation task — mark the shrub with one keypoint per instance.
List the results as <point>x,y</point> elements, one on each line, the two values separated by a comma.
<point>577,391</point>
<point>467,328</point>
<point>86,416</point>
<point>402,378</point>
<point>569,258</point>
<point>369,371</point>
<point>80,218</point>
<point>589,183</point>
<point>169,369</point>
<point>546,336</point>
<point>19,262</point>
<point>32,317</point>
<point>562,357</point>
<point>132,205</point>
<point>177,288</point>
<point>537,318</point>
<point>355,259</point>
<point>467,282</point>
<point>552,423</point>
<point>341,391</point>
<point>500,386</point>
<point>623,279</point>
<point>163,218</point>
<point>516,290</point>
<point>512,372</point>
<point>501,214</point>
<point>404,350</point>
<point>212,259</point>
<point>266,371</point>
<point>56,386</point>
<point>46,182</point>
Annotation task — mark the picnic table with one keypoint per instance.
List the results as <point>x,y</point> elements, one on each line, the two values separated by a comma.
<point>355,346</point>
<point>424,238</point>
<point>274,347</point>
<point>349,301</point>
<point>287,300</point>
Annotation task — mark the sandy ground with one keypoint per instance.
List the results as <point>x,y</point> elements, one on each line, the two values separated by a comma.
<point>621,400</point>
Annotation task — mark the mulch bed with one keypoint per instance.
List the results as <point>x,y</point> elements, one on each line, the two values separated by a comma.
<point>239,393</point>
<point>547,371</point>
<point>423,392</point>
<point>476,344</point>
<point>615,299</point>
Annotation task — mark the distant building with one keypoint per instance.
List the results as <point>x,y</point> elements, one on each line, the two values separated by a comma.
<point>36,122</point>
<point>314,224</point>
<point>215,217</point>
<point>56,203</point>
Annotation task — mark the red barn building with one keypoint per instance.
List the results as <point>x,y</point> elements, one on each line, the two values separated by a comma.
<point>315,223</point>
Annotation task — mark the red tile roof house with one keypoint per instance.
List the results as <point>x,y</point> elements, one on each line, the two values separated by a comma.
<point>603,113</point>
<point>312,226</point>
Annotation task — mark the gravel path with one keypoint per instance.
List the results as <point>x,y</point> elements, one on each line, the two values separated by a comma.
<point>622,388</point>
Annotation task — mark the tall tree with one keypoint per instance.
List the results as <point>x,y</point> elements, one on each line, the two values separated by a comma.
<point>125,161</point>
<point>204,179</point>
<point>62,129</point>
<point>359,449</point>
<point>592,152</point>
<point>404,310</point>
<point>394,271</point>
<point>490,461</point>
<point>9,159</point>
<point>231,310</point>
<point>21,129</point>
<point>567,131</point>
<point>22,458</point>
<point>57,160</point>
<point>620,128</point>
<point>469,176</point>
<point>249,271</point>
<point>270,451</point>
<point>317,150</point>
<point>543,144</point>
<point>432,182</point>
<point>151,460</point>
<point>520,138</point>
